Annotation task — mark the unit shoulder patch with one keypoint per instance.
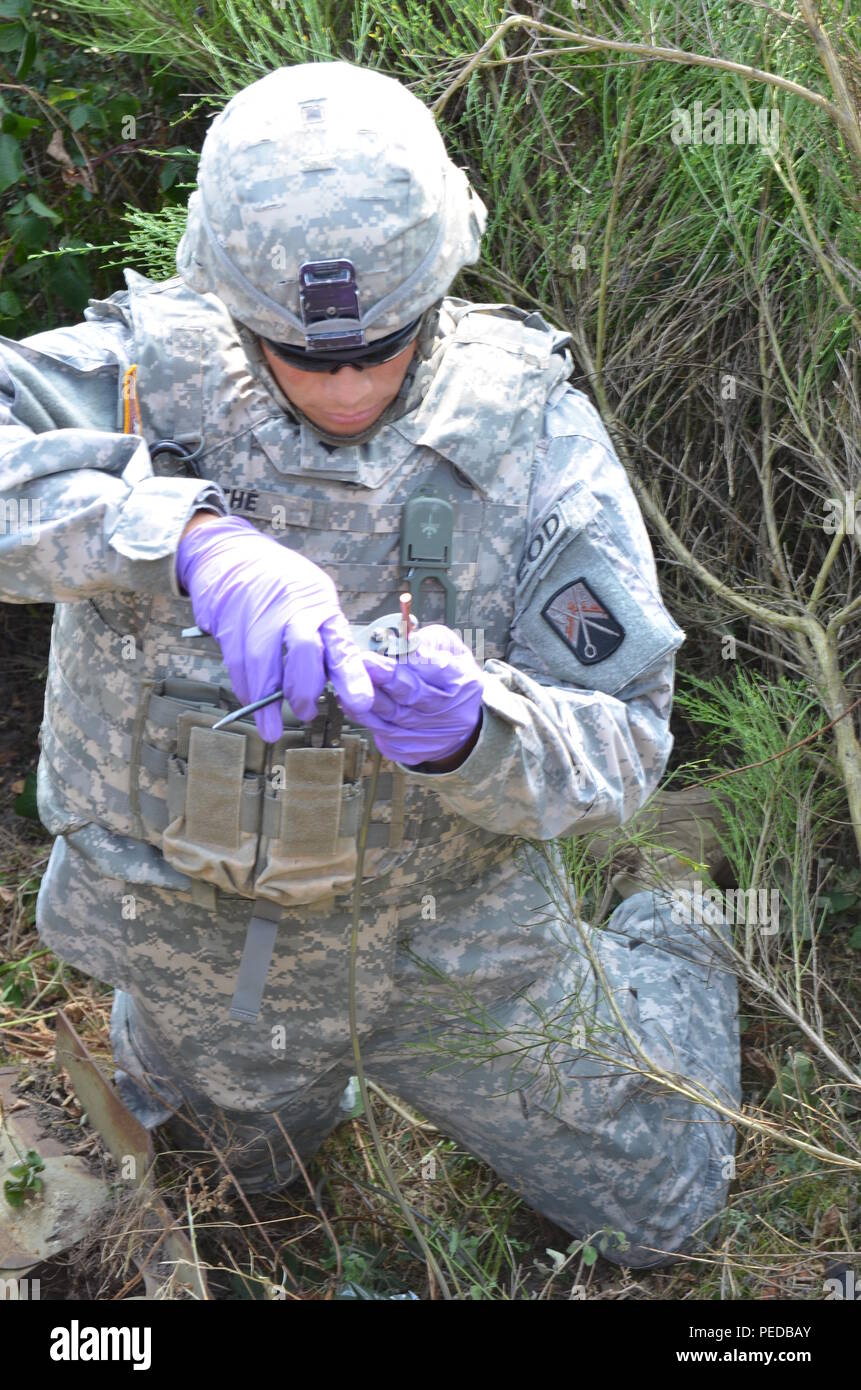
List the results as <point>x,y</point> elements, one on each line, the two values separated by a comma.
<point>584,622</point>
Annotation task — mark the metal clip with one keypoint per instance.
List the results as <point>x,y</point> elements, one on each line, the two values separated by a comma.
<point>324,731</point>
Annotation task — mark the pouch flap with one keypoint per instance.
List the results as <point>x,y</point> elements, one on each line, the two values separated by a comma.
<point>216,768</point>
<point>311,801</point>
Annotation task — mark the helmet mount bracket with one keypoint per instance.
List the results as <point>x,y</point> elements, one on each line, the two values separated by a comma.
<point>327,292</point>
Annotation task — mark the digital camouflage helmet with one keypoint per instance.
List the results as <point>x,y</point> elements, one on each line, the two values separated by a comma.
<point>328,214</point>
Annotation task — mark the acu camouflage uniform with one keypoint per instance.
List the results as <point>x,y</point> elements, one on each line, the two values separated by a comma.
<point>465,953</point>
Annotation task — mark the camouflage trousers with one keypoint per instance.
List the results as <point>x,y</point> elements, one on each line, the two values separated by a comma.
<point>568,1059</point>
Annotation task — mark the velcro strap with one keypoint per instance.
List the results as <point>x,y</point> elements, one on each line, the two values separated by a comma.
<point>204,895</point>
<point>254,966</point>
<point>216,766</point>
<point>311,801</point>
<point>177,795</point>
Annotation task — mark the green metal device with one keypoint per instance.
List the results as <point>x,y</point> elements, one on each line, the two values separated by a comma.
<point>427,539</point>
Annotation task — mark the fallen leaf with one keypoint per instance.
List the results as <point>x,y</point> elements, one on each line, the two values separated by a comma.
<point>57,150</point>
<point>757,1058</point>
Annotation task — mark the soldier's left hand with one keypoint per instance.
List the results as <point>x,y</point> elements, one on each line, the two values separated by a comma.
<point>427,705</point>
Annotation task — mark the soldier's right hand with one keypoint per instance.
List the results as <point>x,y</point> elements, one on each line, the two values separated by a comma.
<point>276,617</point>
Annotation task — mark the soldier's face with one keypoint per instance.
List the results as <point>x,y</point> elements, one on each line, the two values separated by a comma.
<point>346,401</point>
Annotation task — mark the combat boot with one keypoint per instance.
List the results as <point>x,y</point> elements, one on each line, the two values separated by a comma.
<point>672,842</point>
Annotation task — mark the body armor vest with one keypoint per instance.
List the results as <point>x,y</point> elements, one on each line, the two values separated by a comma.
<point>126,735</point>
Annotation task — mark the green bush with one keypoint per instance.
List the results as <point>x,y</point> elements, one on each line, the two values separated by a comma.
<point>75,126</point>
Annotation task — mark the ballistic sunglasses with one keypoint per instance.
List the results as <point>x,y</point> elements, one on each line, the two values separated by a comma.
<point>373,355</point>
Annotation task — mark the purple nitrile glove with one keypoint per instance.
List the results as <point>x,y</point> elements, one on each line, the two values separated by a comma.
<point>275,616</point>
<point>426,705</point>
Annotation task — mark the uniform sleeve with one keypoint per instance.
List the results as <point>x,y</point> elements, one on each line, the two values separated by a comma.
<point>81,510</point>
<point>575,720</point>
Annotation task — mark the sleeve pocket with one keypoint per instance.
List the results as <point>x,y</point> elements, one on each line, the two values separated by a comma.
<point>584,610</point>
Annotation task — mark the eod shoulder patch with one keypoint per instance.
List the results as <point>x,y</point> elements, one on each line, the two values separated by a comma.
<point>584,609</point>
<point>583,622</point>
